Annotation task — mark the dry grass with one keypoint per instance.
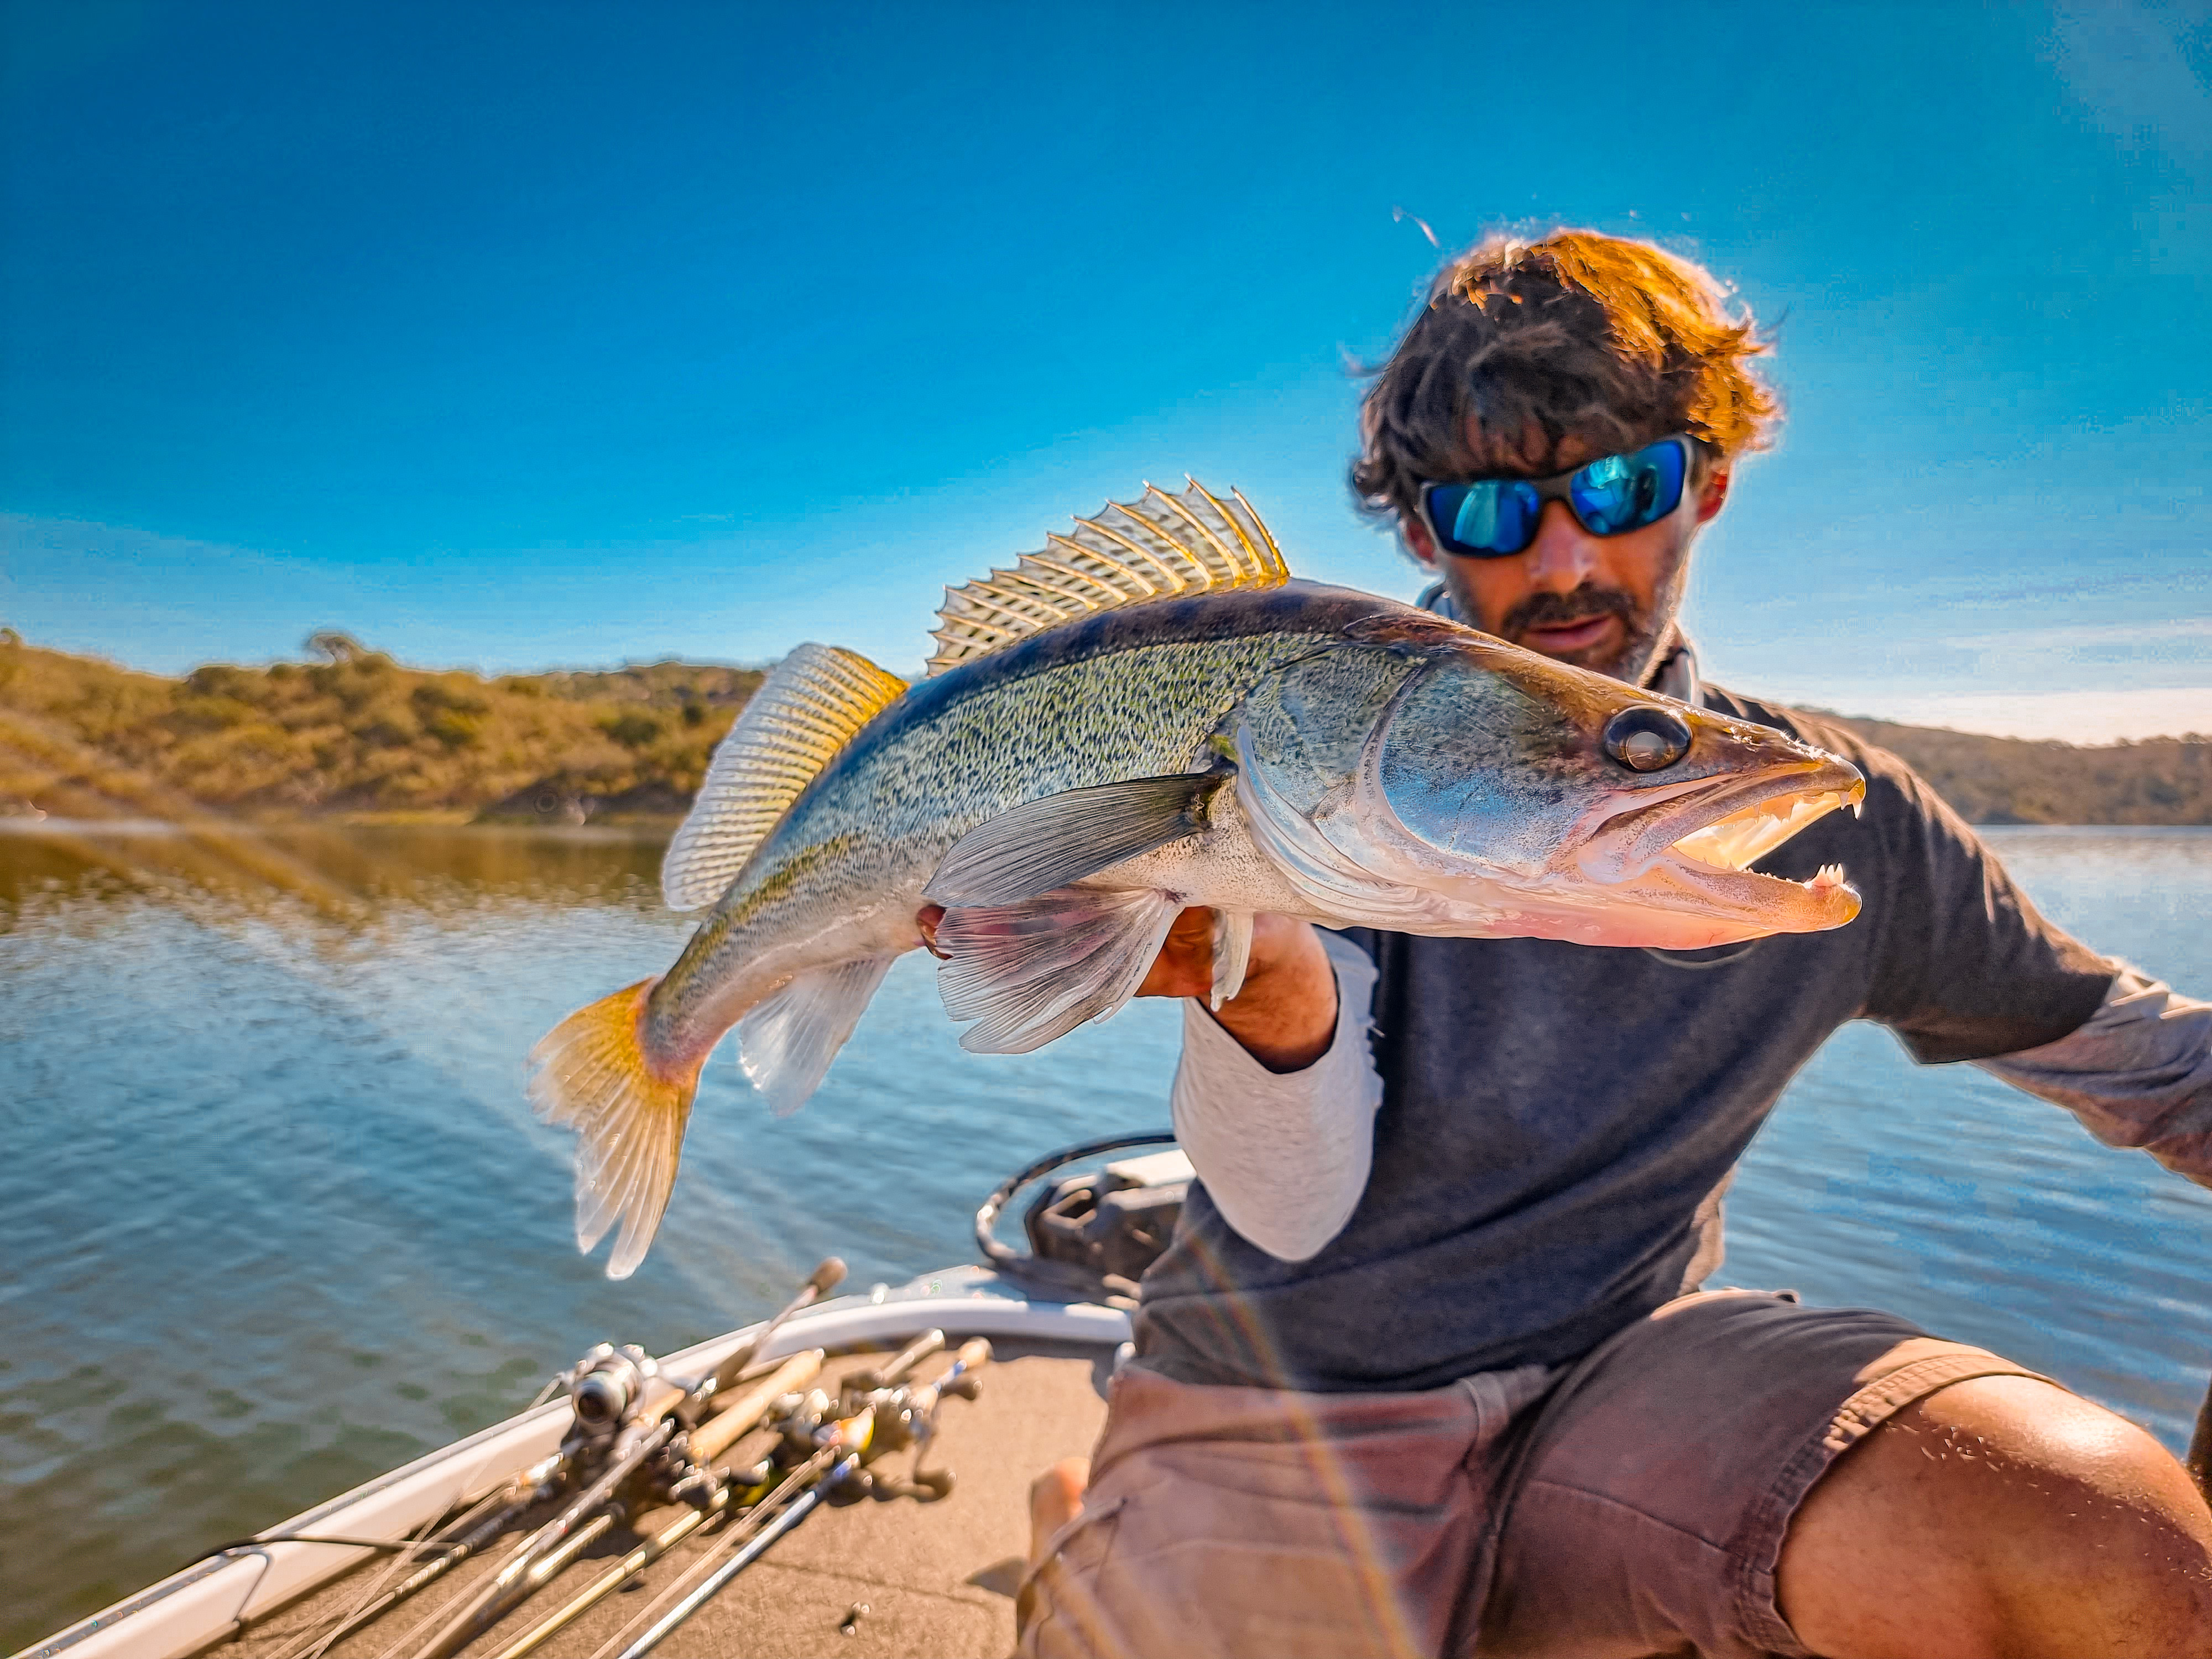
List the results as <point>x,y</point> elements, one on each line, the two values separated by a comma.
<point>355,733</point>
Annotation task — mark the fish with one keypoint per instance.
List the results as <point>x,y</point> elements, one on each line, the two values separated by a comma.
<point>1150,714</point>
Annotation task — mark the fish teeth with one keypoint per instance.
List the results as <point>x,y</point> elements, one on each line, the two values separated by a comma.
<point>1828,875</point>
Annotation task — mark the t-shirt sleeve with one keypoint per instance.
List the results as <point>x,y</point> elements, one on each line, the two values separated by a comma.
<point>1964,965</point>
<point>1285,1155</point>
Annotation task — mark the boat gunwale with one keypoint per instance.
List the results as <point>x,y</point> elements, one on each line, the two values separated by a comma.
<point>253,1582</point>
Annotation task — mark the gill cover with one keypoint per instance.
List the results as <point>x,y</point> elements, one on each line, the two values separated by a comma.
<point>1303,735</point>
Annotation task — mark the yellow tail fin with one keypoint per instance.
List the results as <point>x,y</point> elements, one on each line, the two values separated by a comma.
<point>589,1073</point>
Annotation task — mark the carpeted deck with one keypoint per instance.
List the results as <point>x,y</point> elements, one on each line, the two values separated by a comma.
<point>936,1580</point>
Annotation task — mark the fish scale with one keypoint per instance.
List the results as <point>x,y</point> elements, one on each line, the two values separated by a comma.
<point>1191,728</point>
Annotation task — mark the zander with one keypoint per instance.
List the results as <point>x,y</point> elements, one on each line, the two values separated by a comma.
<point>1146,715</point>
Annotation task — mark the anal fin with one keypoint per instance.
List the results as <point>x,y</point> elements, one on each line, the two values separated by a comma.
<point>1030,972</point>
<point>785,1043</point>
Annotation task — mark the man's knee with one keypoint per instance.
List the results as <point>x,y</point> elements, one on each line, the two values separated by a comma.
<point>1054,1497</point>
<point>2001,1514</point>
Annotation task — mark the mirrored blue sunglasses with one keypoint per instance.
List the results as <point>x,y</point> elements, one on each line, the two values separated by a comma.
<point>1493,517</point>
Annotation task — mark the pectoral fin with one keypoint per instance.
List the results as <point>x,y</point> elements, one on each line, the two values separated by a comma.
<point>1050,843</point>
<point>785,1043</point>
<point>1027,973</point>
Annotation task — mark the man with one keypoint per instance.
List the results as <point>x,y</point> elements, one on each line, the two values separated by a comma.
<point>1427,1369</point>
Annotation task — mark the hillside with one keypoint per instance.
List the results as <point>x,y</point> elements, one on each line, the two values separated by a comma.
<point>355,733</point>
<point>2013,780</point>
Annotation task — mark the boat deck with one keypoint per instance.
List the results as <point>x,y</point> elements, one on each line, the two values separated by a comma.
<point>936,1579</point>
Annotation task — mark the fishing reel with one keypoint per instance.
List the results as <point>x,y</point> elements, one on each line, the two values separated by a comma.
<point>606,1385</point>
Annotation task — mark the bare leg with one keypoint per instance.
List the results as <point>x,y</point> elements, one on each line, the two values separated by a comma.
<point>1054,1497</point>
<point>2000,1516</point>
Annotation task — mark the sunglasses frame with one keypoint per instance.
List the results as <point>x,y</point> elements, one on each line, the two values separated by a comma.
<point>1557,486</point>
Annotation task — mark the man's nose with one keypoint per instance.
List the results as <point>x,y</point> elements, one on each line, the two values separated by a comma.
<point>1564,556</point>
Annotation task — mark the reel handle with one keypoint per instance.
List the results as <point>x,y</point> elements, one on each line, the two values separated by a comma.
<point>887,1376</point>
<point>959,1378</point>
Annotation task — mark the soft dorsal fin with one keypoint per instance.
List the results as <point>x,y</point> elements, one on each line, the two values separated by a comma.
<point>807,709</point>
<point>1159,547</point>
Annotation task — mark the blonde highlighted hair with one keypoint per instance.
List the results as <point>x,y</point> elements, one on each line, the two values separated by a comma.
<point>1522,345</point>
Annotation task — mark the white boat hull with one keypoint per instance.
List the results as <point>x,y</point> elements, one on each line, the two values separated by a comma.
<point>212,1600</point>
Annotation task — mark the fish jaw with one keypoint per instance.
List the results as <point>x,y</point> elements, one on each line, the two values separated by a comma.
<point>1692,853</point>
<point>1483,803</point>
<point>1362,868</point>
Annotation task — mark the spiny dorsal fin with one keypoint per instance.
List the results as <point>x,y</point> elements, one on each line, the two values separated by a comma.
<point>1160,547</point>
<point>807,710</point>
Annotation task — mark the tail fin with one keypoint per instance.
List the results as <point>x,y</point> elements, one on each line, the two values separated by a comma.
<point>589,1073</point>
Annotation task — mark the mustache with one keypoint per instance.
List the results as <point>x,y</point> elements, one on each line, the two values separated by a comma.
<point>1556,610</point>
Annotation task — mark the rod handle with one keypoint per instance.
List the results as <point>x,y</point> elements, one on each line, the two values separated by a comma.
<point>975,1353</point>
<point>722,1431</point>
<point>658,1399</point>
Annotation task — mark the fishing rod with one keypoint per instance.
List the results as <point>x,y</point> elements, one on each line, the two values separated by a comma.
<point>645,1432</point>
<point>627,1414</point>
<point>801,1421</point>
<point>823,1280</point>
<point>533,1485</point>
<point>707,1443</point>
<point>841,1445</point>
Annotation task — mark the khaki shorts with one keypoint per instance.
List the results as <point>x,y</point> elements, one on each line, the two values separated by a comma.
<point>1632,1503</point>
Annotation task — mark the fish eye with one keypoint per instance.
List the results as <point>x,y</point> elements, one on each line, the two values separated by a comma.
<point>1647,738</point>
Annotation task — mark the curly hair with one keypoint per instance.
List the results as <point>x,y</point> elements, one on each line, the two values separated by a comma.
<point>1612,342</point>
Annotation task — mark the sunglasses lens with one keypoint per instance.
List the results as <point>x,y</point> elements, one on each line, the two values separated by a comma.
<point>1622,493</point>
<point>1486,519</point>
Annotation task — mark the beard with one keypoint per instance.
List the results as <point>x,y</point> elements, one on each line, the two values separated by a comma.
<point>1649,633</point>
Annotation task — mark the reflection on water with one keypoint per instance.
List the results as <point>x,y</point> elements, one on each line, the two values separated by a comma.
<point>277,1218</point>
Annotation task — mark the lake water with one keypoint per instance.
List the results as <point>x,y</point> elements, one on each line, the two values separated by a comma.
<point>275,1216</point>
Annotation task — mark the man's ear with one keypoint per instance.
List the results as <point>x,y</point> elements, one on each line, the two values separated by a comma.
<point>1712,494</point>
<point>1417,538</point>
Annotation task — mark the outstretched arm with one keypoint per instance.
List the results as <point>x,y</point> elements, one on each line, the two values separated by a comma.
<point>2137,1073</point>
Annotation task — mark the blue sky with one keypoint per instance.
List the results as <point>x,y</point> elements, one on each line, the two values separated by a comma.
<point>559,334</point>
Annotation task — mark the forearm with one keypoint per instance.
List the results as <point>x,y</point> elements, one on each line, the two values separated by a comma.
<point>2137,1073</point>
<point>1285,1014</point>
<point>1284,1154</point>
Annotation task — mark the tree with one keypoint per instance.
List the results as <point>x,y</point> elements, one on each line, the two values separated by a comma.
<point>333,647</point>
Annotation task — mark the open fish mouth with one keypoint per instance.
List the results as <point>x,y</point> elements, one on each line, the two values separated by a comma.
<point>1710,832</point>
<point>1750,833</point>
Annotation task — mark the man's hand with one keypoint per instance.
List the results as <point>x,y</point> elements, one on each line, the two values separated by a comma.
<point>1285,1015</point>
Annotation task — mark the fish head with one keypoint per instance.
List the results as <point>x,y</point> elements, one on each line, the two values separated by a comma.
<point>1489,790</point>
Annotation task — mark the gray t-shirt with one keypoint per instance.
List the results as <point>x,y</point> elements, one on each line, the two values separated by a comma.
<point>1555,1118</point>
